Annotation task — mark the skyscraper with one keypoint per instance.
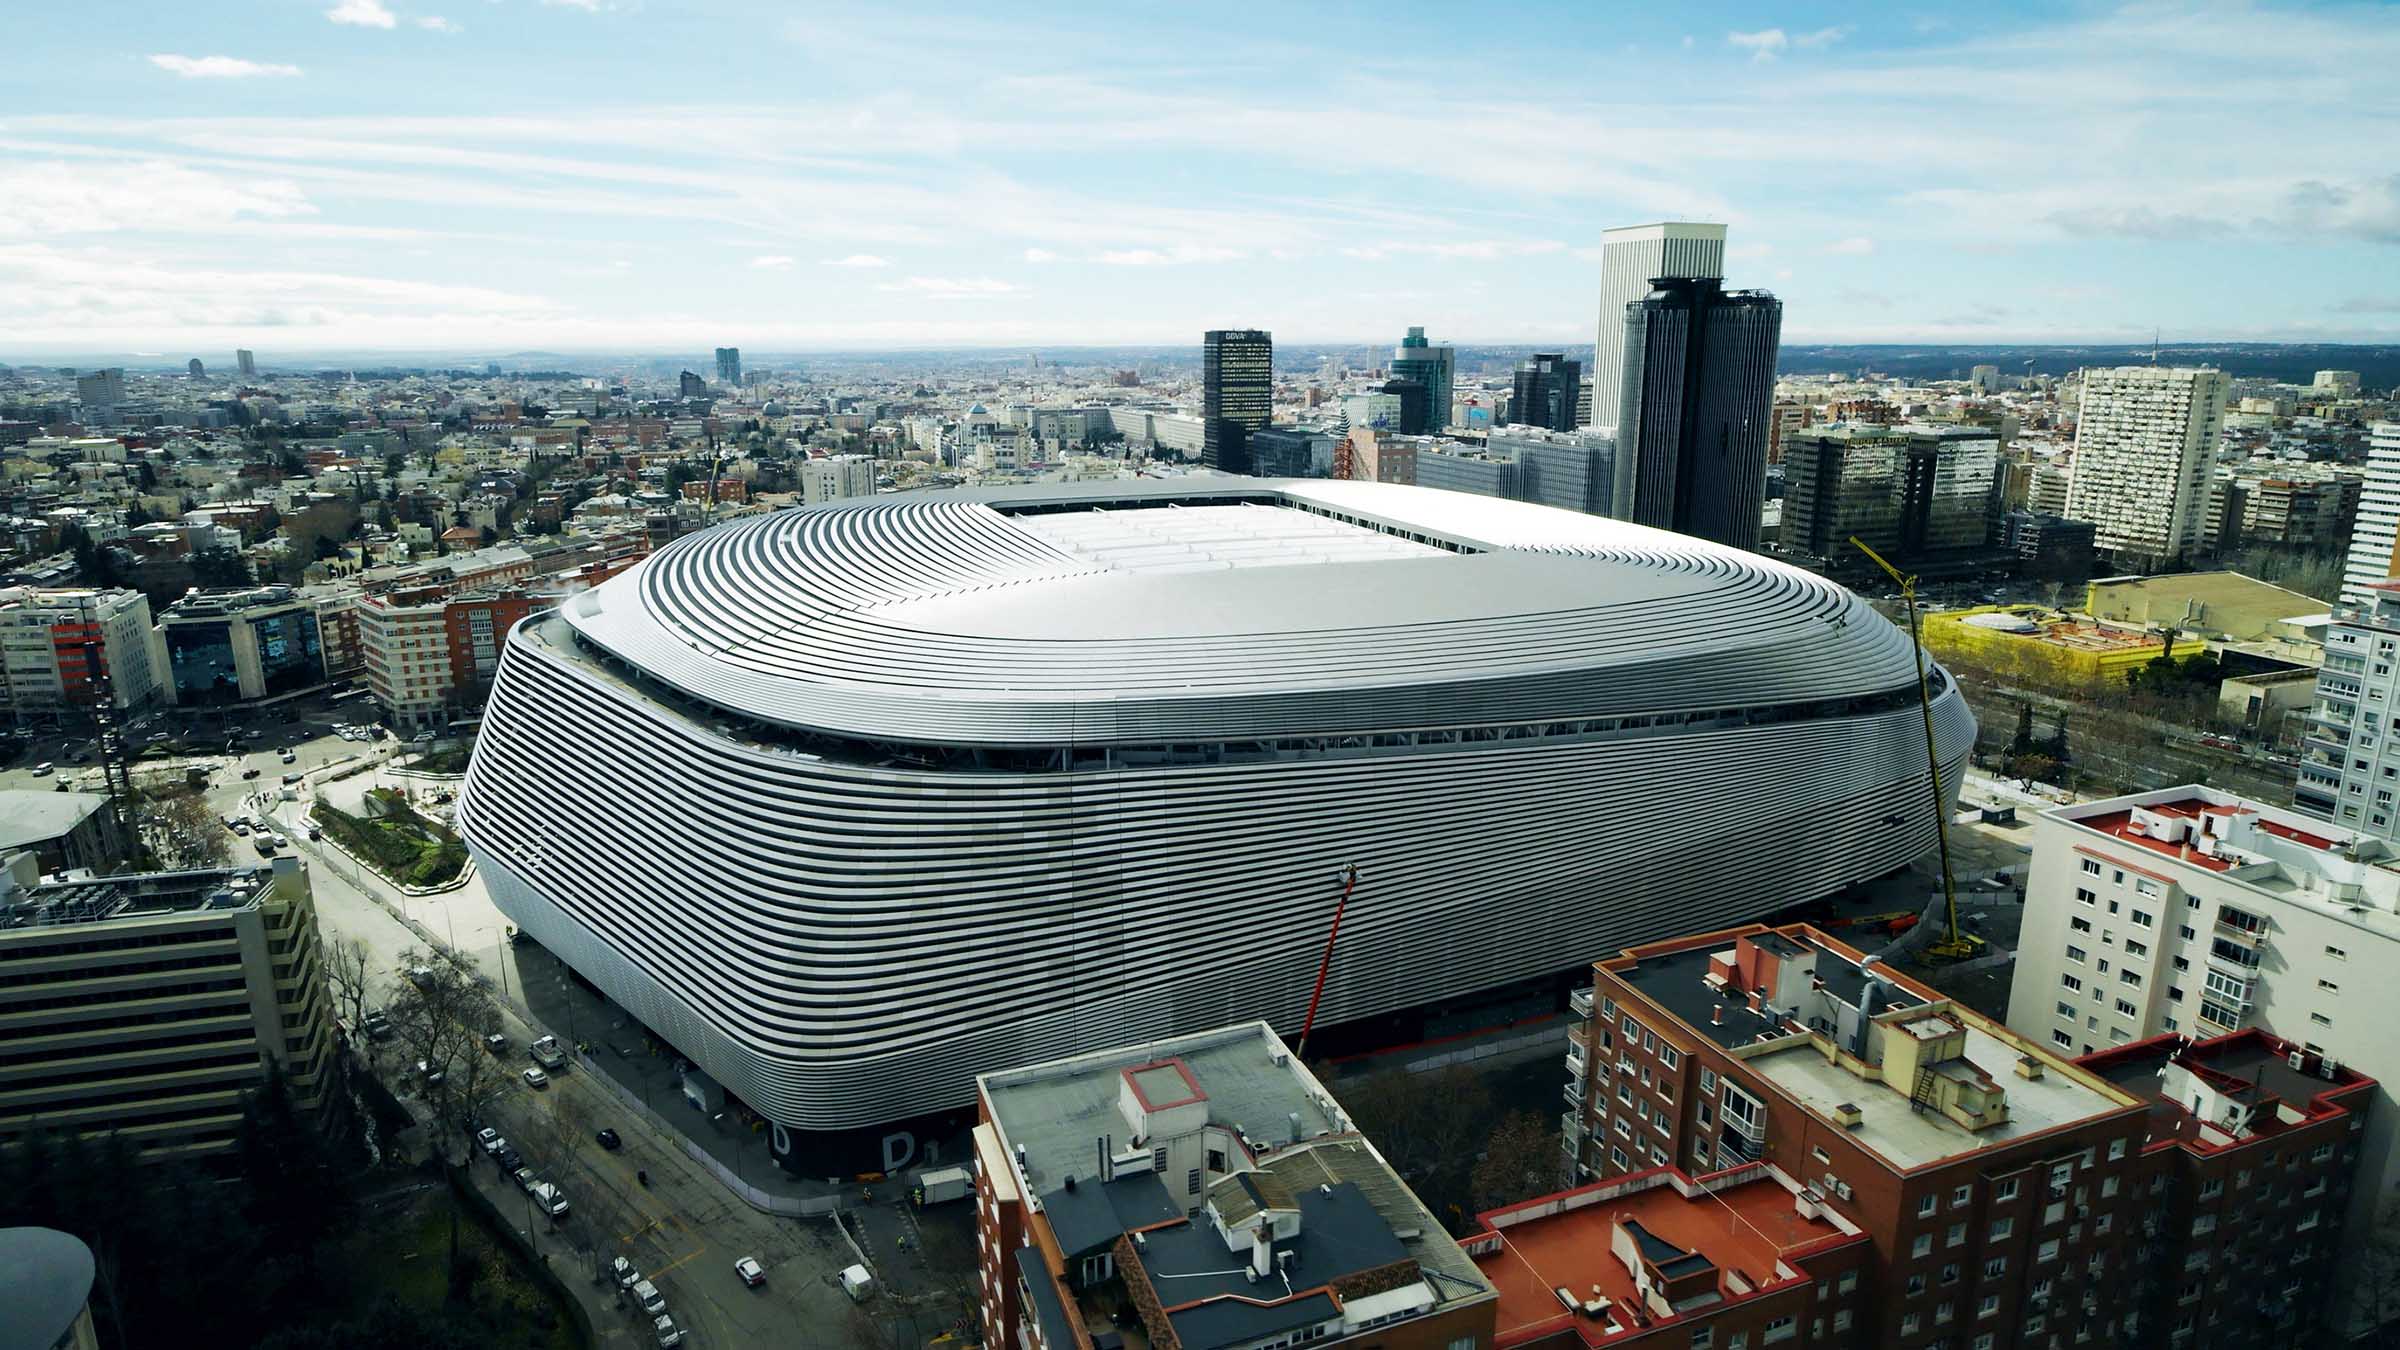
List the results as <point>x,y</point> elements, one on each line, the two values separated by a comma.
<point>194,369</point>
<point>245,362</point>
<point>729,365</point>
<point>1694,407</point>
<point>1544,391</point>
<point>689,385</point>
<point>1431,366</point>
<point>1237,394</point>
<point>2375,540</point>
<point>101,391</point>
<point>1630,259</point>
<point>2145,440</point>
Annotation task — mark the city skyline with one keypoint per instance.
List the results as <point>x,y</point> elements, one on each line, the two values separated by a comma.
<point>2085,174</point>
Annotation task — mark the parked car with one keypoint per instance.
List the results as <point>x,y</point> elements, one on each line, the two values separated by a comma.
<point>546,1053</point>
<point>489,1140</point>
<point>609,1140</point>
<point>752,1273</point>
<point>433,1077</point>
<point>249,773</point>
<point>511,1162</point>
<point>535,1078</point>
<point>669,1334</point>
<point>495,1043</point>
<point>622,1271</point>
<point>523,1176</point>
<point>43,769</point>
<point>280,840</point>
<point>242,828</point>
<point>290,758</point>
<point>421,976</point>
<point>652,1302</point>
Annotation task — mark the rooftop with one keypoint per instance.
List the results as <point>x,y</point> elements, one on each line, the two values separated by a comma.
<point>1741,1224</point>
<point>2277,854</point>
<point>28,818</point>
<point>2275,1085</point>
<point>142,895</point>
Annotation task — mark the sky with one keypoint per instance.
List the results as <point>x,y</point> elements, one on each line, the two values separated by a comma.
<point>565,175</point>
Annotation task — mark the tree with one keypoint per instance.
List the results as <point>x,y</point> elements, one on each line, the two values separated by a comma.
<point>220,567</point>
<point>187,831</point>
<point>1520,1160</point>
<point>2022,742</point>
<point>440,1017</point>
<point>2031,769</point>
<point>346,967</point>
<point>1430,1127</point>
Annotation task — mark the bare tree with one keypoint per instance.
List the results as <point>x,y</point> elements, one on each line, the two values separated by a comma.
<point>346,967</point>
<point>441,1017</point>
<point>186,831</point>
<point>1429,1126</point>
<point>1521,1159</point>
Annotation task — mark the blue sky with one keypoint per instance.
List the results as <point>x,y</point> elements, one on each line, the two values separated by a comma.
<point>576,174</point>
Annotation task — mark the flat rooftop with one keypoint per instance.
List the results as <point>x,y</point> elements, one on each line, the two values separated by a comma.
<point>2250,1063</point>
<point>1054,1111</point>
<point>1908,1138</point>
<point>1744,1230</point>
<point>142,895</point>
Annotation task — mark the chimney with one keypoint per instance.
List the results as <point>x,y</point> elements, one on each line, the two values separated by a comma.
<point>1716,1015</point>
<point>1262,1251</point>
<point>1100,1142</point>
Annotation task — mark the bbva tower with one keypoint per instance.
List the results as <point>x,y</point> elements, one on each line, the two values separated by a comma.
<point>852,802</point>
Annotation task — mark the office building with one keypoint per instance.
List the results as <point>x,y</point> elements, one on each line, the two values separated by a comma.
<point>2145,442</point>
<point>2374,552</point>
<point>2340,383</point>
<point>245,362</point>
<point>1693,414</point>
<point>1908,492</point>
<point>1291,452</point>
<point>149,1004</point>
<point>62,829</point>
<point>2047,545</point>
<point>1543,393</point>
<point>241,643</point>
<point>689,385</point>
<point>1436,368</point>
<point>1074,684</point>
<point>59,646</point>
<point>1237,394</point>
<point>1202,1191</point>
<point>101,393</point>
<point>830,478</point>
<point>1378,411</point>
<point>1631,258</point>
<point>1570,470</point>
<point>2198,913</point>
<point>729,366</point>
<point>2010,1195</point>
<point>1416,418</point>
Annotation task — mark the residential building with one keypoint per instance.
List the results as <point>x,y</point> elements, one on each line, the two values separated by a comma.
<point>834,477</point>
<point>245,362</point>
<point>404,637</point>
<point>476,628</point>
<point>1237,394</point>
<point>150,1004</point>
<point>101,393</point>
<point>729,366</point>
<point>1435,368</point>
<point>2010,1194</point>
<point>2350,767</point>
<point>241,643</point>
<point>1631,258</point>
<point>2305,507</point>
<point>58,646</point>
<point>2145,442</point>
<point>1543,393</point>
<point>1203,1191</point>
<point>2197,912</point>
<point>2341,383</point>
<point>688,385</point>
<point>1910,493</point>
<point>1693,414</point>
<point>62,829</point>
<point>2374,553</point>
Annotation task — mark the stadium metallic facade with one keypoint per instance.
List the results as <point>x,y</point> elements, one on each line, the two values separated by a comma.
<point>851,803</point>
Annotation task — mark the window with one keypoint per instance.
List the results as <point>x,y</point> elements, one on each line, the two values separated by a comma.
<point>2048,1251</point>
<point>1956,1237</point>
<point>1927,1204</point>
<point>1950,1273</point>
<point>2086,897</point>
<point>1916,1285</point>
<point>2116,876</point>
<point>2076,953</point>
<point>2134,947</point>
<point>2071,982</point>
<point>2079,924</point>
<point>1668,1057</point>
<point>1633,1029</point>
<point>1708,1082</point>
<point>2132,977</point>
<point>2069,1011</point>
<point>1781,1329</point>
<point>1703,1338</point>
<point>2174,994</point>
<point>2063,1040</point>
<point>1922,1246</point>
<point>2116,1149</point>
<point>2006,1190</point>
<point>1986,1306</point>
<point>1995,1268</point>
<point>2125,1009</point>
<point>1191,1181</point>
<point>2320,1019</point>
<point>1909,1323</point>
<point>2090,868</point>
<point>2329,986</point>
<point>1849,1281</point>
<point>2145,886</point>
<point>1961,1196</point>
<point>2184,931</point>
<point>2142,918</point>
<point>2337,953</point>
<point>2001,1228</point>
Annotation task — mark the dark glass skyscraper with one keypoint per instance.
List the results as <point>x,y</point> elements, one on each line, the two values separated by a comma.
<point>1545,390</point>
<point>729,365</point>
<point>1692,431</point>
<point>1237,394</point>
<point>1431,366</point>
<point>1415,418</point>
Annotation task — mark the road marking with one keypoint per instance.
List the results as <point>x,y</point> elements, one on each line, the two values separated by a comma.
<point>696,1251</point>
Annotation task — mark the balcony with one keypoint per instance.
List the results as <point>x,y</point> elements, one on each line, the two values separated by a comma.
<point>1575,1093</point>
<point>1580,1002</point>
<point>1578,1039</point>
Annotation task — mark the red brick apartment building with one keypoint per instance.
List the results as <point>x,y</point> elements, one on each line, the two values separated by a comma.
<point>1853,1160</point>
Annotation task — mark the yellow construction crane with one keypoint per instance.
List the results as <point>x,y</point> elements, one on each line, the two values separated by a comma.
<point>1955,945</point>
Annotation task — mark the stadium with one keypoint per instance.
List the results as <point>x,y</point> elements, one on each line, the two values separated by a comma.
<point>852,802</point>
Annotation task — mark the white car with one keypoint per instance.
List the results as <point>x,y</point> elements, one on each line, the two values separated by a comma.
<point>489,1139</point>
<point>653,1302</point>
<point>494,1146</point>
<point>752,1273</point>
<point>622,1271</point>
<point>42,770</point>
<point>280,841</point>
<point>535,1078</point>
<point>669,1334</point>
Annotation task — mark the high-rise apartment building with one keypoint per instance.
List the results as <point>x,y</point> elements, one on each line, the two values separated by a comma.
<point>2198,913</point>
<point>57,645</point>
<point>2145,442</point>
<point>1203,1191</point>
<point>2172,1193</point>
<point>405,639</point>
<point>1631,258</point>
<point>1237,393</point>
<point>149,1005</point>
<point>1543,392</point>
<point>1695,408</point>
<point>194,369</point>
<point>1907,492</point>
<point>2350,760</point>
<point>2374,554</point>
<point>102,392</point>
<point>245,362</point>
<point>729,366</point>
<point>1436,368</point>
<point>834,477</point>
<point>688,385</point>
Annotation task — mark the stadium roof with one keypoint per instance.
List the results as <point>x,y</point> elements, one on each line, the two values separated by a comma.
<point>1222,609</point>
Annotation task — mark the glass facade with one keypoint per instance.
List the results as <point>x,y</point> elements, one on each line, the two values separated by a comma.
<point>200,657</point>
<point>290,654</point>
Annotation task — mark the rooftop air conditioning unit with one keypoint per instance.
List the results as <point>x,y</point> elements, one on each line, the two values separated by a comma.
<point>2298,1059</point>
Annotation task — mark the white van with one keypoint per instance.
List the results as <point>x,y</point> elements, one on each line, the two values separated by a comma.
<point>858,1284</point>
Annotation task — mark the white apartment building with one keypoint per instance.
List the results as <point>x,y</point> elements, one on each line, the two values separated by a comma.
<point>2145,442</point>
<point>407,650</point>
<point>835,477</point>
<point>2198,912</point>
<point>47,638</point>
<point>2350,764</point>
<point>2375,538</point>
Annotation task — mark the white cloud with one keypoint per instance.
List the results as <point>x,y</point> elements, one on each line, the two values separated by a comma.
<point>1168,257</point>
<point>55,198</point>
<point>1763,44</point>
<point>773,262</point>
<point>435,23</point>
<point>587,6</point>
<point>857,260</point>
<point>1040,255</point>
<point>1823,37</point>
<point>1478,249</point>
<point>218,67</point>
<point>1856,245</point>
<point>953,288</point>
<point>363,14</point>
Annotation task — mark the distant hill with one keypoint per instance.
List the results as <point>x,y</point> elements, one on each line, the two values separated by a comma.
<point>2297,363</point>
